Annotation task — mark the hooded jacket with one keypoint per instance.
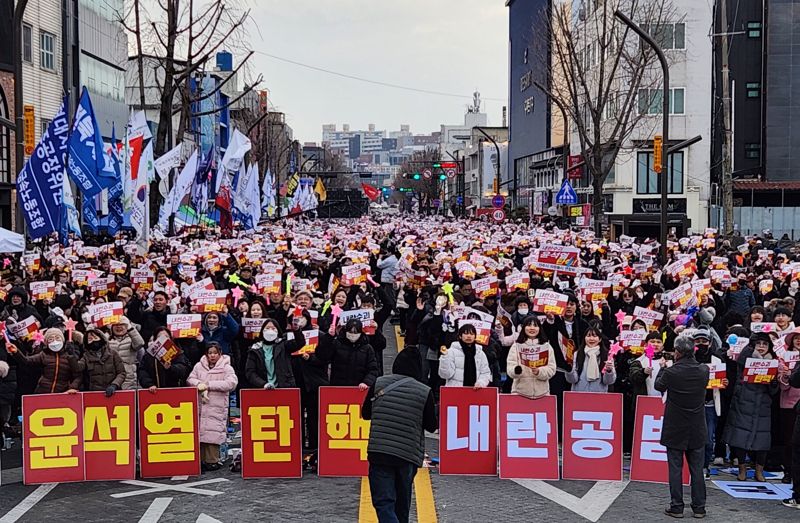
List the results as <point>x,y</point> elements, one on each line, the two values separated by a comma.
<point>351,363</point>
<point>24,309</point>
<point>223,335</point>
<point>127,347</point>
<point>103,368</point>
<point>221,380</point>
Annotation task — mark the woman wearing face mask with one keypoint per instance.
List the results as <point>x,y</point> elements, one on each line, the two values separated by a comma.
<point>104,368</point>
<point>310,373</point>
<point>531,361</point>
<point>269,363</point>
<point>644,371</point>
<point>749,426</point>
<point>790,396</point>
<point>215,379</point>
<point>126,341</point>
<point>220,328</point>
<point>351,357</point>
<point>593,370</point>
<point>464,364</point>
<point>61,369</point>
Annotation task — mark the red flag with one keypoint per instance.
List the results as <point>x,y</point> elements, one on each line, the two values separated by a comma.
<point>223,202</point>
<point>371,192</point>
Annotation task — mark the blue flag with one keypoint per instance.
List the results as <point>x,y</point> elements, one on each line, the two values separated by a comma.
<point>40,183</point>
<point>90,213</point>
<point>87,165</point>
<point>200,184</point>
<point>116,213</point>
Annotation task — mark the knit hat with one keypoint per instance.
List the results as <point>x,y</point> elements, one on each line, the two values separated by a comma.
<point>54,333</point>
<point>701,333</point>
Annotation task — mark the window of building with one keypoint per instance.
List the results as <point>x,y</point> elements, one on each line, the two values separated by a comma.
<point>44,125</point>
<point>47,59</point>
<point>668,36</point>
<point>649,182</point>
<point>752,151</point>
<point>754,29</point>
<point>5,143</point>
<point>27,43</point>
<point>753,89</point>
<point>651,101</point>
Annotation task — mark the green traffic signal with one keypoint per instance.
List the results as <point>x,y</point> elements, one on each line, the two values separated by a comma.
<point>417,176</point>
<point>442,176</point>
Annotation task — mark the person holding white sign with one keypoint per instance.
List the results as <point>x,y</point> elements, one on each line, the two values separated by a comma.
<point>749,425</point>
<point>531,361</point>
<point>464,364</point>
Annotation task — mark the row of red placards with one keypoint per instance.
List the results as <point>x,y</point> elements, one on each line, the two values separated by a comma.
<point>87,436</point>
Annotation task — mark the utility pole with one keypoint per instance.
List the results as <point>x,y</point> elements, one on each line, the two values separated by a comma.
<point>727,177</point>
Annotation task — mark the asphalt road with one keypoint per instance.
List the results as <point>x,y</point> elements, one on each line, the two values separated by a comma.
<point>223,496</point>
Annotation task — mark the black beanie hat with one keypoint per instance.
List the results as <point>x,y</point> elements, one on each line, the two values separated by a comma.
<point>408,363</point>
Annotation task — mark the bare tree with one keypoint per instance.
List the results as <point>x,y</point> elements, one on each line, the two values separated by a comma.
<point>598,70</point>
<point>424,190</point>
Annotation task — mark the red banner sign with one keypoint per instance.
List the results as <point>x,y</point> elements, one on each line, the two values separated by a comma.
<point>52,438</point>
<point>184,325</point>
<point>209,301</point>
<point>168,432</point>
<point>592,440</point>
<point>272,444</point>
<point>528,437</point>
<point>649,456</point>
<point>468,431</point>
<point>343,434</point>
<point>109,435</point>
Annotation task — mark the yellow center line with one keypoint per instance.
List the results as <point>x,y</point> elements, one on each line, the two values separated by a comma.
<point>423,490</point>
<point>366,512</point>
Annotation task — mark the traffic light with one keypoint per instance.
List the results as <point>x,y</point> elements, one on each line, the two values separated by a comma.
<point>417,176</point>
<point>442,177</point>
<point>437,165</point>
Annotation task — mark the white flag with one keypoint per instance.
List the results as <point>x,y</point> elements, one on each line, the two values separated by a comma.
<point>168,161</point>
<point>234,156</point>
<point>179,190</point>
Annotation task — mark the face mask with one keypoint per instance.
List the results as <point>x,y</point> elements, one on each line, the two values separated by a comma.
<point>270,335</point>
<point>55,346</point>
<point>95,345</point>
<point>87,319</point>
<point>523,311</point>
<point>353,337</point>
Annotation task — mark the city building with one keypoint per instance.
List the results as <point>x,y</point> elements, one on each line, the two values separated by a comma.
<point>765,127</point>
<point>103,45</point>
<point>353,143</point>
<point>530,114</point>
<point>8,171</point>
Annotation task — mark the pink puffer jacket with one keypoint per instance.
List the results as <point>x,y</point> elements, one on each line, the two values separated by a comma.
<point>221,380</point>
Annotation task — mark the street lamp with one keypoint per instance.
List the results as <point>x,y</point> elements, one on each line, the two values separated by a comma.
<point>665,129</point>
<point>497,165</point>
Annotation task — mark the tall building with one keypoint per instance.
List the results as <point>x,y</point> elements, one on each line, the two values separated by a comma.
<point>765,127</point>
<point>529,112</point>
<point>103,56</point>
<point>353,143</point>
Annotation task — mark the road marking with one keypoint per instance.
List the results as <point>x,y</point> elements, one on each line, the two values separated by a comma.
<point>28,503</point>
<point>423,491</point>
<point>155,510</point>
<point>179,478</point>
<point>152,488</point>
<point>401,340</point>
<point>366,512</point>
<point>591,506</point>
<point>205,518</point>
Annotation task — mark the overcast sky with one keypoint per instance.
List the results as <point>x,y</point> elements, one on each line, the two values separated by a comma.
<point>452,46</point>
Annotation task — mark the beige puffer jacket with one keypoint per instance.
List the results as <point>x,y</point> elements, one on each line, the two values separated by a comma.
<point>126,347</point>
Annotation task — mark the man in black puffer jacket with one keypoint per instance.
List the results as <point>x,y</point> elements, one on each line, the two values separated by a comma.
<point>18,307</point>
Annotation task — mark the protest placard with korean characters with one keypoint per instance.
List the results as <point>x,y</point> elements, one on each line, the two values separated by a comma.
<point>468,431</point>
<point>717,373</point>
<point>209,301</point>
<point>105,314</point>
<point>43,290</point>
<point>168,432</point>
<point>271,433</point>
<point>163,348</point>
<point>102,286</point>
<point>251,327</point>
<point>270,282</point>
<point>366,316</point>
<point>737,347</point>
<point>788,357</point>
<point>760,371</point>
<point>533,356</point>
<point>354,274</point>
<point>311,341</point>
<point>594,290</point>
<point>528,437</point>
<point>485,287</point>
<point>546,302</point>
<point>142,279</point>
<point>52,438</point>
<point>32,262</point>
<point>652,319</point>
<point>648,455</point>
<point>184,325</point>
<point>763,326</point>
<point>109,435</point>
<point>592,436</point>
<point>117,267</point>
<point>483,330</point>
<point>23,329</point>
<point>343,433</point>
<point>517,281</point>
<point>82,277</point>
<point>633,341</point>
